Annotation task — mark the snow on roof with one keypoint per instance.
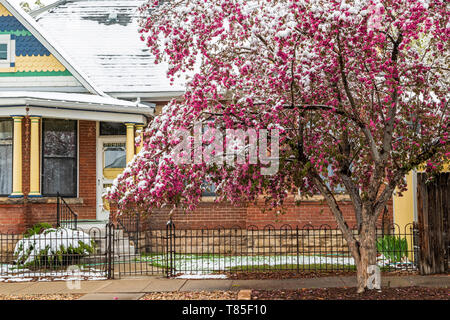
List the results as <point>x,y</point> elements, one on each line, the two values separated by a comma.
<point>75,99</point>
<point>50,44</point>
<point>102,37</point>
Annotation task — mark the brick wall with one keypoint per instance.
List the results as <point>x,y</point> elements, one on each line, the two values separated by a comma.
<point>206,215</point>
<point>212,215</point>
<point>12,218</point>
<point>17,215</point>
<point>87,170</point>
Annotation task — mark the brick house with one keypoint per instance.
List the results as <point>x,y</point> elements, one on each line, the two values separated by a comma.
<point>76,86</point>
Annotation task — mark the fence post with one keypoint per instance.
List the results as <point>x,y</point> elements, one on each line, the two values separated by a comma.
<point>296,233</point>
<point>138,220</point>
<point>416,242</point>
<point>58,218</point>
<point>110,250</point>
<point>170,235</point>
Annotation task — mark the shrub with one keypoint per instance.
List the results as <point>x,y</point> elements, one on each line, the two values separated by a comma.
<point>37,229</point>
<point>53,248</point>
<point>393,248</point>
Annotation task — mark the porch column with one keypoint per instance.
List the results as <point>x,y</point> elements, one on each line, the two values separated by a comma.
<point>17,158</point>
<point>130,141</point>
<point>140,131</point>
<point>35,186</point>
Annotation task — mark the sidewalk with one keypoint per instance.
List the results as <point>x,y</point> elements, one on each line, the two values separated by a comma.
<point>134,288</point>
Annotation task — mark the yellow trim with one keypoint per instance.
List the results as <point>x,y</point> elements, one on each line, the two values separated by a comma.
<point>11,69</point>
<point>38,63</point>
<point>112,173</point>
<point>4,12</point>
<point>140,128</point>
<point>17,157</point>
<point>130,141</point>
<point>34,158</point>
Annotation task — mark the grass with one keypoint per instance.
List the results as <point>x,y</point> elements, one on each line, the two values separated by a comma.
<point>293,267</point>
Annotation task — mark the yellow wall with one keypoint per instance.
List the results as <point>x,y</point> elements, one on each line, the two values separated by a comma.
<point>404,205</point>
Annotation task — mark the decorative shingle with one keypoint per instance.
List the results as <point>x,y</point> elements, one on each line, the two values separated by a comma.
<point>38,63</point>
<point>4,12</point>
<point>29,46</point>
<point>9,23</point>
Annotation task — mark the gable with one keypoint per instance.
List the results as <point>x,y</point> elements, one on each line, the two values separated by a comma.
<point>26,56</point>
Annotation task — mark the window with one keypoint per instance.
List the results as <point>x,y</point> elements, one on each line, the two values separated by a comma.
<point>208,189</point>
<point>115,155</point>
<point>6,150</point>
<point>59,157</point>
<point>112,129</point>
<point>3,51</point>
<point>7,51</point>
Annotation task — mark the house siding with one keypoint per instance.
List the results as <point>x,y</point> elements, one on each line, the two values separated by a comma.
<point>30,59</point>
<point>213,215</point>
<point>18,214</point>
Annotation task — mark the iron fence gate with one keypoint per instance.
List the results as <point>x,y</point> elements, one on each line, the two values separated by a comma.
<point>110,252</point>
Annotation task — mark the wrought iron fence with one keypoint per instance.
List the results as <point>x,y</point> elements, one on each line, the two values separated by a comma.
<point>58,253</point>
<point>65,216</point>
<point>281,249</point>
<point>110,252</point>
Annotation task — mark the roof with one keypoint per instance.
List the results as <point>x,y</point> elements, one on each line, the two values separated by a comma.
<point>102,38</point>
<point>51,45</point>
<point>73,100</point>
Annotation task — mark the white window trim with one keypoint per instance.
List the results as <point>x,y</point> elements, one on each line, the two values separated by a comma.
<point>11,50</point>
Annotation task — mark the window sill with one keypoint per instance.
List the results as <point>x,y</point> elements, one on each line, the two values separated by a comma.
<point>42,200</point>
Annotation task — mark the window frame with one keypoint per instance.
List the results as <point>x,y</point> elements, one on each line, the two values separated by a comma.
<point>12,158</point>
<point>10,51</point>
<point>110,135</point>
<point>76,157</point>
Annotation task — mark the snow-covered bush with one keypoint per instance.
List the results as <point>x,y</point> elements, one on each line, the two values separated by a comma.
<point>53,247</point>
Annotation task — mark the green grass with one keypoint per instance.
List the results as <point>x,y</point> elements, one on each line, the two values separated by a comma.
<point>292,267</point>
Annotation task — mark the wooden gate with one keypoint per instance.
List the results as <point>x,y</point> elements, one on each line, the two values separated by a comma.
<point>433,219</point>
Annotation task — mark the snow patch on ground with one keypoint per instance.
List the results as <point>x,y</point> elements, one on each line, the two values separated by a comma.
<point>205,266</point>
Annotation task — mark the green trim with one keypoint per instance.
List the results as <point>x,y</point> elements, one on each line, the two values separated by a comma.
<point>19,33</point>
<point>36,74</point>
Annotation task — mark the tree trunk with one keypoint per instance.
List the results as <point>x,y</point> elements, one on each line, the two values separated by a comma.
<point>367,252</point>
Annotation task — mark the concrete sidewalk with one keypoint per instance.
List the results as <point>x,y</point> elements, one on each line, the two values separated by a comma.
<point>134,288</point>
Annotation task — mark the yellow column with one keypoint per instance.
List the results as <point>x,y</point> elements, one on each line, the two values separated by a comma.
<point>404,212</point>
<point>17,158</point>
<point>35,189</point>
<point>140,131</point>
<point>130,141</point>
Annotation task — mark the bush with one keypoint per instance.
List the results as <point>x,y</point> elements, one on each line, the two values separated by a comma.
<point>393,248</point>
<point>37,229</point>
<point>53,248</point>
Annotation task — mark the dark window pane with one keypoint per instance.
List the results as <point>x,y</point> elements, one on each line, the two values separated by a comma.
<point>60,138</point>
<point>208,189</point>
<point>3,51</point>
<point>112,129</point>
<point>60,175</point>
<point>6,134</point>
<point>115,157</point>
<point>59,165</point>
<point>6,130</point>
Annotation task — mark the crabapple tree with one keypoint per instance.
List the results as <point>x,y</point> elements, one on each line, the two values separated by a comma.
<point>357,90</point>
